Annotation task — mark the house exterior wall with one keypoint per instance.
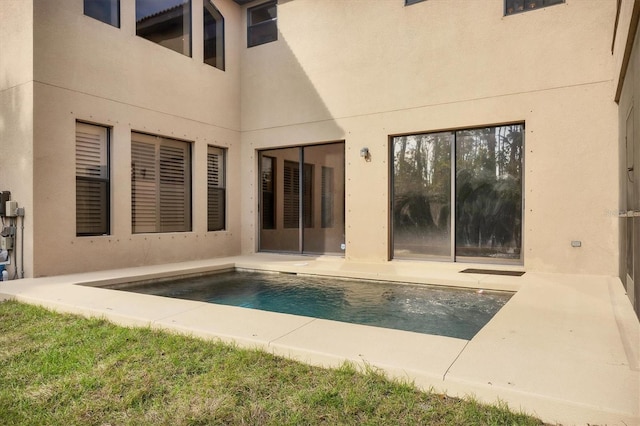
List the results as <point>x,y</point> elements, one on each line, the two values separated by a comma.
<point>351,71</point>
<point>16,112</point>
<point>362,71</point>
<point>85,70</point>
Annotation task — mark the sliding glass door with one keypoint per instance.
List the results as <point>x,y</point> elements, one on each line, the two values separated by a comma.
<point>471,175</point>
<point>302,199</point>
<point>422,195</point>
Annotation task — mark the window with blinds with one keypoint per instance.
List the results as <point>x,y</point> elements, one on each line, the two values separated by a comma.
<point>326,191</point>
<point>216,189</point>
<point>92,180</point>
<point>291,175</point>
<point>160,184</point>
<point>268,179</point>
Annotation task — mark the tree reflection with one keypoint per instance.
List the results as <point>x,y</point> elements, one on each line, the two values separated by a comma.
<point>488,179</point>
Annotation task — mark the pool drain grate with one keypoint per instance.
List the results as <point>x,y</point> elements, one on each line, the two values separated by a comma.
<point>492,272</point>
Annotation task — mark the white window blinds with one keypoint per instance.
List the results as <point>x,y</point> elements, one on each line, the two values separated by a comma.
<point>160,184</point>
<point>216,189</point>
<point>92,180</point>
<point>291,175</point>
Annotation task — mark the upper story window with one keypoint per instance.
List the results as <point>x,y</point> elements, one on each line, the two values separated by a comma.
<point>408,2</point>
<point>517,6</point>
<point>262,24</point>
<point>166,22</point>
<point>213,36</point>
<point>107,11</point>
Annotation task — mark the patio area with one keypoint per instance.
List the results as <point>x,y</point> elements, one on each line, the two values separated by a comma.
<point>565,348</point>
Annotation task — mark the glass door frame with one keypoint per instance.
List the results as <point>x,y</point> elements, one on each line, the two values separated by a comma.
<point>453,257</point>
<point>302,198</point>
<point>452,192</point>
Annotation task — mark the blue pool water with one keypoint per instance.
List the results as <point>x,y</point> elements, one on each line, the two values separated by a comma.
<point>422,309</point>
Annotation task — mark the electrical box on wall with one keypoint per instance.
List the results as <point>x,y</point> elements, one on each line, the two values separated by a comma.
<point>6,243</point>
<point>11,209</point>
<point>4,197</point>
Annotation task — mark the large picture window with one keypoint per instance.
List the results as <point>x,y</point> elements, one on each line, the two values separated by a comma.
<point>167,23</point>
<point>160,184</point>
<point>92,180</point>
<point>458,194</point>
<point>216,189</point>
<point>262,24</point>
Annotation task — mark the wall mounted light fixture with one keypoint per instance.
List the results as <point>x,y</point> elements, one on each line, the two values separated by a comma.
<point>364,153</point>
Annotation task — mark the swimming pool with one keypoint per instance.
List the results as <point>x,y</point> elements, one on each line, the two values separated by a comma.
<point>418,308</point>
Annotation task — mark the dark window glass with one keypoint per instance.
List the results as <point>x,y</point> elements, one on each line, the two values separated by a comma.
<point>216,189</point>
<point>213,36</point>
<point>262,24</point>
<point>166,22</point>
<point>516,6</point>
<point>408,2</point>
<point>107,11</point>
<point>92,180</point>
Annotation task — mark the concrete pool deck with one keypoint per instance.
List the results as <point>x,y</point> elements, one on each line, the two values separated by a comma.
<point>565,348</point>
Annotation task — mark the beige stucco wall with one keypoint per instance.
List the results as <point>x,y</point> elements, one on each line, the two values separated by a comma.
<point>90,71</point>
<point>350,70</point>
<point>16,114</point>
<point>361,71</point>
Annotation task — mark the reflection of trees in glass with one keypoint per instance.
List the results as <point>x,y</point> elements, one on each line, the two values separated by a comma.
<point>488,179</point>
<point>489,191</point>
<point>422,179</point>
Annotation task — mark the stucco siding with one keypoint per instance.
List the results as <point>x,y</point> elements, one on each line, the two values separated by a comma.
<point>362,71</point>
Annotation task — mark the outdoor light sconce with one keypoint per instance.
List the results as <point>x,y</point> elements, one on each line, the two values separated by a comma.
<point>364,153</point>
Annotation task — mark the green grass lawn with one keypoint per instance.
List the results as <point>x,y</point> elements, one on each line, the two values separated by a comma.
<point>67,370</point>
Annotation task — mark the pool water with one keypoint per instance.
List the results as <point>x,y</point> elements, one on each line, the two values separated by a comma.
<point>417,308</point>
